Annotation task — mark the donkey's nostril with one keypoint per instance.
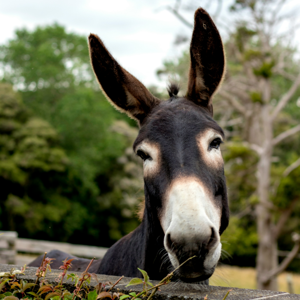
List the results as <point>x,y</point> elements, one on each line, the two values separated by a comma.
<point>169,241</point>
<point>213,239</point>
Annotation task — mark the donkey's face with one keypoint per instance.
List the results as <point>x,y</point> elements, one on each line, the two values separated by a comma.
<point>179,143</point>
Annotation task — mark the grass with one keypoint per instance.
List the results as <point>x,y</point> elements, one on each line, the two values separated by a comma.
<point>229,276</point>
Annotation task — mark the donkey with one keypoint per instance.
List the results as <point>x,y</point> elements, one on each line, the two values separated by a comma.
<point>186,206</point>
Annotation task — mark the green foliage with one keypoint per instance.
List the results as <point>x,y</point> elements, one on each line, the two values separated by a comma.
<point>29,150</point>
<point>240,162</point>
<point>73,185</point>
<point>235,243</point>
<point>47,62</point>
<point>256,97</point>
<point>15,289</point>
<point>250,54</point>
<point>241,4</point>
<point>28,144</point>
<point>265,70</point>
<point>242,36</point>
<point>83,119</point>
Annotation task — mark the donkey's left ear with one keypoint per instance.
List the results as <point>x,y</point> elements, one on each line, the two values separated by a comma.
<point>207,61</point>
<point>123,90</point>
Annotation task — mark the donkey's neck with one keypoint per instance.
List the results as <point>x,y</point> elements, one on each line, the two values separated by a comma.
<point>155,257</point>
<point>142,248</point>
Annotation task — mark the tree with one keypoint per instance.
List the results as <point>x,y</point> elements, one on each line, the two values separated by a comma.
<point>51,70</point>
<point>29,149</point>
<point>46,64</point>
<point>261,86</point>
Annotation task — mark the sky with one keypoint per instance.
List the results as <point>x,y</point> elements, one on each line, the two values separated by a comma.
<point>139,33</point>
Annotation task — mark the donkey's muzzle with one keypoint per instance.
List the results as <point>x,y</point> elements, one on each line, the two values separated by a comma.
<point>191,255</point>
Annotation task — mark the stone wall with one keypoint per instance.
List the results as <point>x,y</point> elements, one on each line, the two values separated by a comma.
<point>172,291</point>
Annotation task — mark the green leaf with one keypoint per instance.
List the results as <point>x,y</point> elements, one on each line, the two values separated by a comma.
<point>56,298</point>
<point>68,296</point>
<point>145,274</point>
<point>135,281</point>
<point>33,294</point>
<point>124,297</point>
<point>92,295</point>
<point>66,293</point>
<point>8,294</point>
<point>150,283</point>
<point>27,286</point>
<point>133,294</point>
<point>3,283</point>
<point>51,295</point>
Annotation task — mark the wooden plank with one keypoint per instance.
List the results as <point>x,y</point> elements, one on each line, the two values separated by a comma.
<point>8,236</point>
<point>40,247</point>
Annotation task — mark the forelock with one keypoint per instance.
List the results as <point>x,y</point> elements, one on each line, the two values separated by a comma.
<point>173,90</point>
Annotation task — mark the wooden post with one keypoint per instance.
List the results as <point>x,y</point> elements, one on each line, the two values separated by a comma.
<point>290,285</point>
<point>8,247</point>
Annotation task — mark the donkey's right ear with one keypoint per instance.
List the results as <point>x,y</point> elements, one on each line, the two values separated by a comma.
<point>122,89</point>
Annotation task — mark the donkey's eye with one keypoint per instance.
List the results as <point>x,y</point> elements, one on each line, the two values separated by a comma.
<point>143,155</point>
<point>215,144</point>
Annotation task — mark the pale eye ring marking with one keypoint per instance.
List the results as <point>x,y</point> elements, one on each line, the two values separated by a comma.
<point>143,155</point>
<point>150,154</point>
<point>209,146</point>
<point>215,143</point>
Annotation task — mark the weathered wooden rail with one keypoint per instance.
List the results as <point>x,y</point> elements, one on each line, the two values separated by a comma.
<point>10,245</point>
<point>39,247</point>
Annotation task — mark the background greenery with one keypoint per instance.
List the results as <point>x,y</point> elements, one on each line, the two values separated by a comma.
<point>60,154</point>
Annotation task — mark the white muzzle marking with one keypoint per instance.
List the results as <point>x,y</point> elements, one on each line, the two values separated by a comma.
<point>189,216</point>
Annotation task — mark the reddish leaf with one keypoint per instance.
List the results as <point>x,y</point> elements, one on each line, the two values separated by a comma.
<point>44,289</point>
<point>104,295</point>
<point>15,284</point>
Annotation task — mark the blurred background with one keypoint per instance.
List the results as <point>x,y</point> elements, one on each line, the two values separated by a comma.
<point>67,170</point>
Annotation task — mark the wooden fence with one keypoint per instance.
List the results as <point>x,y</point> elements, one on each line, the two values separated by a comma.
<point>10,245</point>
<point>8,250</point>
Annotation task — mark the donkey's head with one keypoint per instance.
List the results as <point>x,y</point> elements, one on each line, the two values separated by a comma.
<point>179,143</point>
